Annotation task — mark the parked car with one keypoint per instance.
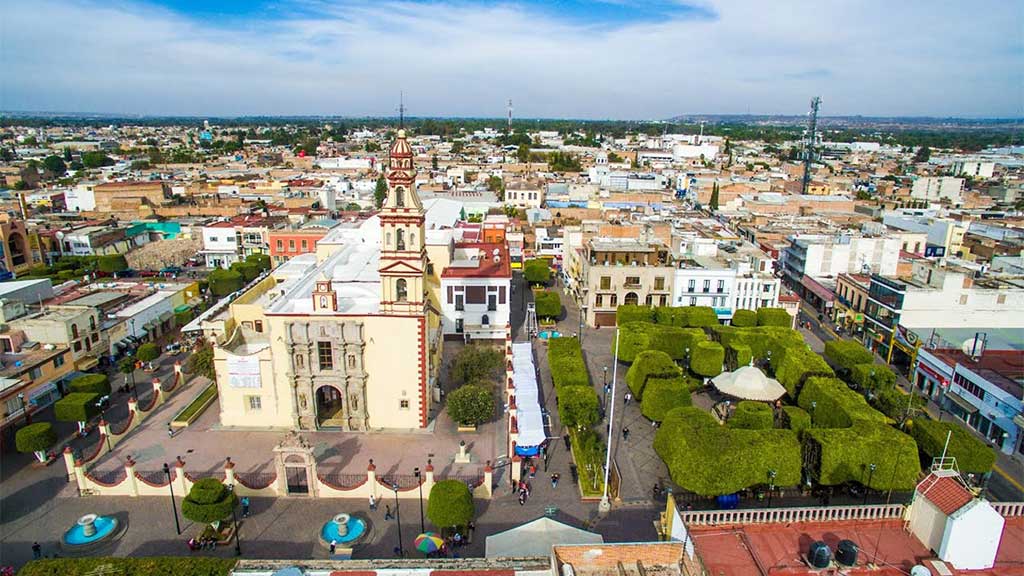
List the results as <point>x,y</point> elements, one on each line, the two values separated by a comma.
<point>173,349</point>
<point>170,270</point>
<point>148,273</point>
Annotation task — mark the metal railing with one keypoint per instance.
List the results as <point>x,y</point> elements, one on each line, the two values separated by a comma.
<point>342,481</point>
<point>255,480</point>
<point>402,480</point>
<point>1008,509</point>
<point>803,514</point>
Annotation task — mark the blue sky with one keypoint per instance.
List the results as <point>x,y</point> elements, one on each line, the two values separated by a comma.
<point>564,58</point>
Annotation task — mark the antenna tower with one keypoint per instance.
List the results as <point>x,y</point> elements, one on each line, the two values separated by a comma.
<point>401,109</point>
<point>812,128</point>
<point>509,115</point>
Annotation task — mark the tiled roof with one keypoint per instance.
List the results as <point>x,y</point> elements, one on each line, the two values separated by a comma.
<point>944,492</point>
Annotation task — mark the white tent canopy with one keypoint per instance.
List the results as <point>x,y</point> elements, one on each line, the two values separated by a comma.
<point>536,539</point>
<point>749,383</point>
<point>528,411</point>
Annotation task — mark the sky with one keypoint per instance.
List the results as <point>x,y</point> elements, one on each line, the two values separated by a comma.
<point>608,59</point>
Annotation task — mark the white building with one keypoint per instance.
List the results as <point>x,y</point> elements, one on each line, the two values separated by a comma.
<point>946,517</point>
<point>737,278</point>
<point>935,188</point>
<point>81,198</point>
<point>220,246</point>
<point>525,194</point>
<point>476,292</point>
<point>549,242</point>
<point>824,256</point>
<point>974,168</point>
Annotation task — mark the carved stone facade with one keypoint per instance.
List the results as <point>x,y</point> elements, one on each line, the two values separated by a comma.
<point>328,374</point>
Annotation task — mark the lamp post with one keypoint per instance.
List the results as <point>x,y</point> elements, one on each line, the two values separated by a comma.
<point>871,473</point>
<point>174,507</point>
<point>814,405</point>
<point>234,522</point>
<point>423,526</point>
<point>687,358</point>
<point>398,519</point>
<point>606,504</point>
<point>583,313</point>
<point>135,389</point>
<point>771,486</point>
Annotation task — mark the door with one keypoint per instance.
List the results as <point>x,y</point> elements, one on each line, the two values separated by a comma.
<point>298,483</point>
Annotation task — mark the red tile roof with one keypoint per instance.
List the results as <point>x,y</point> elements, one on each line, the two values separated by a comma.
<point>944,492</point>
<point>487,267</point>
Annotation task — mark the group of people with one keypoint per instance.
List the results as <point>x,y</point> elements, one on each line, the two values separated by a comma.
<point>202,543</point>
<point>524,492</point>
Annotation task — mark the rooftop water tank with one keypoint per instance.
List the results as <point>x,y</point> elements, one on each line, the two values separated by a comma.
<point>820,556</point>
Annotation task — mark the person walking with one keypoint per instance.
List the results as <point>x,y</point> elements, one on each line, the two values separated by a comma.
<point>170,430</point>
<point>37,551</point>
<point>533,471</point>
<point>627,398</point>
<point>373,502</point>
<point>554,480</point>
<point>245,506</point>
<point>625,434</point>
<point>387,512</point>
<point>334,546</point>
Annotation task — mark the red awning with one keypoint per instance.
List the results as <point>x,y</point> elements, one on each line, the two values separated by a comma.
<point>816,288</point>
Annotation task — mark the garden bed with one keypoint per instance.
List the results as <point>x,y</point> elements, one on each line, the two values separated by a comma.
<point>196,407</point>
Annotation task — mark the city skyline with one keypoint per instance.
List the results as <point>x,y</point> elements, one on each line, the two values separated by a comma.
<point>463,59</point>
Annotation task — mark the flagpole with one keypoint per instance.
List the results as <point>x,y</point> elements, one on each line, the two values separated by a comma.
<point>605,504</point>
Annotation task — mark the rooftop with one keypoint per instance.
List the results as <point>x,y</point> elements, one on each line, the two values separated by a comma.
<point>472,260</point>
<point>1004,368</point>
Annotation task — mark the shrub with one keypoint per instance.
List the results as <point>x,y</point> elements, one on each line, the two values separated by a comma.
<point>223,282</point>
<point>796,364</point>
<point>148,352</point>
<point>711,460</point>
<point>648,364</point>
<point>471,404</point>
<point>774,317</point>
<point>578,406</point>
<point>635,337</point>
<point>847,353</point>
<point>112,263</point>
<point>707,358</point>
<point>870,376</point>
<point>549,305</point>
<point>662,395</point>
<point>76,407</point>
<point>565,360</point>
<point>249,271</point>
<point>972,455</point>
<point>38,437</point>
<point>842,455</point>
<point>744,318</point>
<point>751,415</point>
<point>897,404</point>
<point>738,355</point>
<point>477,362</point>
<point>150,566</point>
<point>450,504</point>
<point>832,404</point>
<point>183,317</point>
<point>208,501</point>
<point>91,383</point>
<point>701,316</point>
<point>537,271</point>
<point>261,261</point>
<point>200,363</point>
<point>588,450</point>
<point>796,419</point>
<point>626,313</point>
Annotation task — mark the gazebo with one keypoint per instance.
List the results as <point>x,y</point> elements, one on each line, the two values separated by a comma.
<point>749,383</point>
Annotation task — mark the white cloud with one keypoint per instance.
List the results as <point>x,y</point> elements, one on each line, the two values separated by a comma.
<point>871,57</point>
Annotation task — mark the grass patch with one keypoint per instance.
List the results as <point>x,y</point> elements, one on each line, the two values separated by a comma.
<point>196,407</point>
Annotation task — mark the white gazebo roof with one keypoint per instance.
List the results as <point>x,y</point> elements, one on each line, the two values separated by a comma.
<point>749,383</point>
<point>536,538</point>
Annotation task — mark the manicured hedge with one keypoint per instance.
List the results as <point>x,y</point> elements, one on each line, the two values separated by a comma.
<point>635,337</point>
<point>832,404</point>
<point>549,305</point>
<point>91,383</point>
<point>972,455</point>
<point>38,437</point>
<point>471,404</point>
<point>738,355</point>
<point>680,316</point>
<point>847,353</point>
<point>845,455</point>
<point>709,459</point>
<point>870,376</point>
<point>707,359</point>
<point>774,317</point>
<point>223,282</point>
<point>76,407</point>
<point>796,364</point>
<point>578,406</point>
<point>761,339</point>
<point>648,364</point>
<point>894,403</point>
<point>627,313</point>
<point>751,415</point>
<point>796,419</point>
<point>661,395</point>
<point>150,566</point>
<point>450,504</point>
<point>537,271</point>
<point>744,318</point>
<point>565,360</point>
<point>208,501</point>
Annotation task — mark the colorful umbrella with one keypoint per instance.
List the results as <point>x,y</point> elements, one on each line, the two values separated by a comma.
<point>428,542</point>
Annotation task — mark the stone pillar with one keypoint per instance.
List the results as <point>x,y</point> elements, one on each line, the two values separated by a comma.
<point>107,441</point>
<point>69,463</point>
<point>157,393</point>
<point>488,484</point>
<point>181,486</point>
<point>177,367</point>
<point>517,466</point>
<point>371,480</point>
<point>229,473</point>
<point>428,481</point>
<point>129,473</point>
<point>80,476</point>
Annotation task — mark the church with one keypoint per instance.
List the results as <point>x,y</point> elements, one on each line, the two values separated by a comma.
<point>344,339</point>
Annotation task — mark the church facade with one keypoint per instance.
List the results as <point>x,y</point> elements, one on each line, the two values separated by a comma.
<point>346,340</point>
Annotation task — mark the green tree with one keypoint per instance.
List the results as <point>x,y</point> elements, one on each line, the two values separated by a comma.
<point>450,504</point>
<point>471,404</point>
<point>96,160</point>
<point>76,407</point>
<point>67,154</point>
<point>549,305</point>
<point>261,261</point>
<point>923,154</point>
<point>248,271</point>
<point>433,162</point>
<point>744,318</point>
<point>614,158</point>
<point>707,359</point>
<point>537,271</point>
<point>372,147</point>
<point>55,165</point>
<point>111,263</point>
<point>200,363</point>
<point>380,193</point>
<point>37,438</point>
<point>475,363</point>
<point>458,146</point>
<point>713,203</point>
<point>578,406</point>
<point>497,185</point>
<point>208,501</point>
<point>223,282</point>
<point>148,352</point>
<point>91,383</point>
<point>523,153</point>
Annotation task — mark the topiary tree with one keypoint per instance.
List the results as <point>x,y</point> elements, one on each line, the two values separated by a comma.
<point>261,261</point>
<point>537,271</point>
<point>706,359</point>
<point>208,501</point>
<point>112,263</point>
<point>738,355</point>
<point>565,360</point>
<point>223,282</point>
<point>476,362</point>
<point>972,455</point>
<point>774,317</point>
<point>470,405</point>
<point>77,407</point>
<point>626,313</point>
<point>875,377</point>
<point>549,305</point>
<point>578,406</point>
<point>744,318</point>
<point>797,363</point>
<point>847,353</point>
<point>148,352</point>
<point>662,395</point>
<point>36,438</point>
<point>249,271</point>
<point>201,362</point>
<point>751,415</point>
<point>450,504</point>
<point>701,316</point>
<point>796,419</point>
<point>648,364</point>
<point>92,383</point>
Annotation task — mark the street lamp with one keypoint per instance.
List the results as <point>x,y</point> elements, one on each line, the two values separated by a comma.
<point>583,313</point>
<point>871,473</point>
<point>398,519</point>
<point>814,405</point>
<point>234,522</point>
<point>174,507</point>
<point>771,486</point>
<point>606,504</point>
<point>416,472</point>
<point>687,357</point>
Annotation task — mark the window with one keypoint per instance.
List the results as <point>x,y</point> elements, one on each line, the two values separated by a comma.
<point>693,300</point>
<point>460,302</point>
<point>35,373</point>
<point>707,286</point>
<point>325,355</point>
<point>58,361</point>
<point>77,346</point>
<point>401,290</point>
<point>484,320</point>
<point>969,387</point>
<point>88,346</point>
<point>403,404</point>
<point>963,299</point>
<point>291,245</point>
<point>606,282</point>
<point>400,239</point>
<point>74,330</point>
<point>659,283</point>
<point>632,280</point>
<point>649,300</point>
<point>1001,299</point>
<point>458,325</point>
<point>492,302</point>
<point>692,285</point>
<point>766,288</point>
<point>351,360</point>
<point>258,325</point>
<point>400,197</point>
<point>280,244</point>
<point>92,322</point>
<point>663,300</point>
<point>213,238</point>
<point>599,303</point>
<point>721,286</point>
<point>95,337</point>
<point>255,403</point>
<point>615,300</point>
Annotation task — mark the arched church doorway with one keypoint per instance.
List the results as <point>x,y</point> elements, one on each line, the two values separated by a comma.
<point>329,406</point>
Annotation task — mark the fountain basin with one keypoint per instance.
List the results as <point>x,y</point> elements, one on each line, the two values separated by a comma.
<point>549,334</point>
<point>89,530</point>
<point>343,529</point>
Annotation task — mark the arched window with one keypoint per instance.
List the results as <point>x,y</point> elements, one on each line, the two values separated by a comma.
<point>387,241</point>
<point>484,320</point>
<point>74,331</point>
<point>400,197</point>
<point>92,322</point>
<point>400,239</point>
<point>631,299</point>
<point>401,291</point>
<point>412,239</point>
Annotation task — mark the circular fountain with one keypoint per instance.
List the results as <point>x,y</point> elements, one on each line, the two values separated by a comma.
<point>89,532</point>
<point>343,529</point>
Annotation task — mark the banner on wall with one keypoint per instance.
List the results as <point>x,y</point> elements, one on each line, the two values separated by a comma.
<point>244,371</point>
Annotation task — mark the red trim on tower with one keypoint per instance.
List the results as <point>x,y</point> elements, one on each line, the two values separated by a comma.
<point>423,372</point>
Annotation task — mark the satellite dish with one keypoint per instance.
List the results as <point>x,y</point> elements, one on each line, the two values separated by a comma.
<point>973,346</point>
<point>920,570</point>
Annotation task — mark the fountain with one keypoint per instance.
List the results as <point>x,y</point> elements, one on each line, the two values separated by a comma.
<point>90,531</point>
<point>343,529</point>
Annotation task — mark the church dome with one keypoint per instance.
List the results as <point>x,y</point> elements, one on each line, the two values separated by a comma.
<point>400,148</point>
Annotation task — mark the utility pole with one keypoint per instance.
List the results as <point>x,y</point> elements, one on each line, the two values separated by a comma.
<point>812,128</point>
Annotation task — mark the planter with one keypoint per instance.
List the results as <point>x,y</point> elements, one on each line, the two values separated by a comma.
<point>466,428</point>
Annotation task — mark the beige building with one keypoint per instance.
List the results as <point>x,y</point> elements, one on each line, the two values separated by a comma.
<point>625,271</point>
<point>75,327</point>
<point>342,339</point>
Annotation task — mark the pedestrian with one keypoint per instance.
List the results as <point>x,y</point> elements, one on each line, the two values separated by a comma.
<point>554,480</point>
<point>170,431</point>
<point>628,397</point>
<point>334,546</point>
<point>566,440</point>
<point>515,485</point>
<point>522,498</point>
<point>533,471</point>
<point>373,502</point>
<point>458,539</point>
<point>245,506</point>
<point>625,434</point>
<point>37,551</point>
<point>654,423</point>
<point>387,512</point>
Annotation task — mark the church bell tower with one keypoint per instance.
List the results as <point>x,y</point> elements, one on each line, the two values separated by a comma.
<point>403,256</point>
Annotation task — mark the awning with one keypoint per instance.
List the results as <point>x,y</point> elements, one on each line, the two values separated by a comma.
<point>962,402</point>
<point>86,363</point>
<point>817,289</point>
<point>166,316</point>
<point>1019,421</point>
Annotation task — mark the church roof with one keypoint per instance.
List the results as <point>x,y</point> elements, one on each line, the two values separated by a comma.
<point>400,147</point>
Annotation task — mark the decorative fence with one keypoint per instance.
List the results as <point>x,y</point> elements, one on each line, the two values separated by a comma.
<point>255,480</point>
<point>1009,509</point>
<point>343,481</point>
<point>803,514</point>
